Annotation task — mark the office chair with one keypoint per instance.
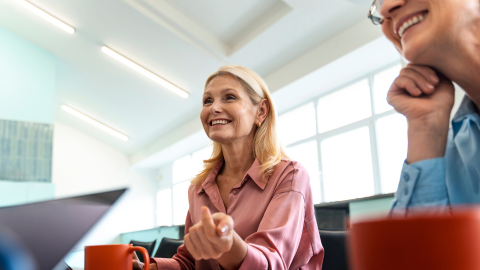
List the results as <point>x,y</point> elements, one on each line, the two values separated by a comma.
<point>334,243</point>
<point>168,247</point>
<point>149,246</point>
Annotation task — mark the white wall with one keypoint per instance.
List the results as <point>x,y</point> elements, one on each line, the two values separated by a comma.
<point>82,164</point>
<point>27,80</point>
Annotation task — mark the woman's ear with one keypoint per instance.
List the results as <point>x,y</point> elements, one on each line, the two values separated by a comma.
<point>263,110</point>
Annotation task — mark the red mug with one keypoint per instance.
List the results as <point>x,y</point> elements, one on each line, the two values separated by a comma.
<point>419,242</point>
<point>113,257</point>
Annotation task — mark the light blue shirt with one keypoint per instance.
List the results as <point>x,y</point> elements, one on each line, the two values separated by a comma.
<point>453,179</point>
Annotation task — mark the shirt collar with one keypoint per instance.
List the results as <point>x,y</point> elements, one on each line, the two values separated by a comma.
<point>467,107</point>
<point>253,173</point>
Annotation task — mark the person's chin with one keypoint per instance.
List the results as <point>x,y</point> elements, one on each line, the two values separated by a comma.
<point>218,138</point>
<point>414,51</point>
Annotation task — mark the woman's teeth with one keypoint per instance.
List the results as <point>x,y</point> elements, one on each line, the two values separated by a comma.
<point>410,23</point>
<point>219,122</point>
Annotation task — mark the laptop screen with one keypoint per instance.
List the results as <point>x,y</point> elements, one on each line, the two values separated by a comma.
<point>52,228</point>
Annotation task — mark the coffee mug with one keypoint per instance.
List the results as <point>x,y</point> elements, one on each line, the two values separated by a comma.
<point>419,242</point>
<point>113,257</point>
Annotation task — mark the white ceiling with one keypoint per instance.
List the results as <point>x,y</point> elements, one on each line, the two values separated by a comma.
<point>182,41</point>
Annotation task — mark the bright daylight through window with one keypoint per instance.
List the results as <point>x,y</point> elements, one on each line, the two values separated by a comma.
<point>350,140</point>
<point>184,170</point>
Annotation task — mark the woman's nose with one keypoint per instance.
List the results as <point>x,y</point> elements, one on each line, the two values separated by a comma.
<point>215,108</point>
<point>390,6</point>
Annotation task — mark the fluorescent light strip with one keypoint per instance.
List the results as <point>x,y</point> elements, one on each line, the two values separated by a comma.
<point>95,123</point>
<point>145,72</point>
<point>49,17</point>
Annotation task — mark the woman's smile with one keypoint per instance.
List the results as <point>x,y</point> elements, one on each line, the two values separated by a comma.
<point>408,22</point>
<point>219,122</point>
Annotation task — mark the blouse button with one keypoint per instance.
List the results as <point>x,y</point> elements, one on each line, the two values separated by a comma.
<point>234,192</point>
<point>406,177</point>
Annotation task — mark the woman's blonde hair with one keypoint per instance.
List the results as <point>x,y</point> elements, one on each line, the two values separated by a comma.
<point>266,146</point>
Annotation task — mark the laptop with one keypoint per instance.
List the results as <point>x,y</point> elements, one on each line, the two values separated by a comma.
<point>50,229</point>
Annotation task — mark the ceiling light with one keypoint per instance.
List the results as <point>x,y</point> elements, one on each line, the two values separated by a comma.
<point>95,123</point>
<point>145,72</point>
<point>49,17</point>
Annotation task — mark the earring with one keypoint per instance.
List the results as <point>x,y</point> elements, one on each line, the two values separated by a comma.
<point>259,124</point>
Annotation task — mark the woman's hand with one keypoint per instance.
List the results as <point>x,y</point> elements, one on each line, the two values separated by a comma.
<point>138,265</point>
<point>211,237</point>
<point>426,99</point>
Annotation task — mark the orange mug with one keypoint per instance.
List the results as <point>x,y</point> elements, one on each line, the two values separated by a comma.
<point>420,242</point>
<point>113,257</point>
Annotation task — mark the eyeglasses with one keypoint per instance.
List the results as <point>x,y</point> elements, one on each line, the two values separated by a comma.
<point>374,13</point>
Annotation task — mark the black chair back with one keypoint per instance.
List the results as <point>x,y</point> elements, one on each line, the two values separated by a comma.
<point>149,246</point>
<point>168,247</point>
<point>334,243</point>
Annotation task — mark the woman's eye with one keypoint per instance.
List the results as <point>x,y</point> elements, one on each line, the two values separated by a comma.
<point>207,101</point>
<point>231,97</point>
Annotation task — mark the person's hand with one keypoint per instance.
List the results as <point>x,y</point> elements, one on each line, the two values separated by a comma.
<point>420,93</point>
<point>211,237</point>
<point>138,265</point>
<point>426,99</point>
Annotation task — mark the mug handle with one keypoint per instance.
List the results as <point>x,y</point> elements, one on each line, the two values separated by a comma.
<point>144,252</point>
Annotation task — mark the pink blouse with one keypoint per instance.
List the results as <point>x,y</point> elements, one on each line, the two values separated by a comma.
<point>275,219</point>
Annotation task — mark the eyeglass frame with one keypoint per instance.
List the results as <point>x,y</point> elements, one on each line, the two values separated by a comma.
<point>376,20</point>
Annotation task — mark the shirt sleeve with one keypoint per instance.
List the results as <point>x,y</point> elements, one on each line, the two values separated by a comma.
<point>275,243</point>
<point>183,260</point>
<point>422,184</point>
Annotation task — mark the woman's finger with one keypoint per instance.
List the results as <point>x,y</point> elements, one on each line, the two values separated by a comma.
<point>402,84</point>
<point>427,72</point>
<point>420,81</point>
<point>199,246</point>
<point>207,222</point>
<point>191,247</point>
<point>137,264</point>
<point>208,249</point>
<point>223,224</point>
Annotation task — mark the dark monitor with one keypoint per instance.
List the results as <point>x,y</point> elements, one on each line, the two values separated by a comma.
<point>50,229</point>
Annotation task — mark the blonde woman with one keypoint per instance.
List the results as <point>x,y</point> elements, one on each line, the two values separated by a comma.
<point>263,215</point>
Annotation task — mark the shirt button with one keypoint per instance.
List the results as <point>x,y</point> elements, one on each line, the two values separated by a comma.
<point>234,192</point>
<point>406,177</point>
<point>405,191</point>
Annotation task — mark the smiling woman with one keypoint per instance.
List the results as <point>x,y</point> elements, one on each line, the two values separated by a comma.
<point>441,42</point>
<point>263,215</point>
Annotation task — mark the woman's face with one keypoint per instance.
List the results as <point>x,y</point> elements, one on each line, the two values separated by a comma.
<point>228,114</point>
<point>422,30</point>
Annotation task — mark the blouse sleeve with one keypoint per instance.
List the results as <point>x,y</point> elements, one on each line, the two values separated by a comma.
<point>180,261</point>
<point>277,240</point>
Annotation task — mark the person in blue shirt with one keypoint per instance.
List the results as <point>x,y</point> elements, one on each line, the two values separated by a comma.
<point>440,39</point>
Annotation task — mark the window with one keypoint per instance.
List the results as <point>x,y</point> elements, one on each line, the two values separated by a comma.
<point>392,149</point>
<point>164,203</point>
<point>182,169</point>
<point>307,155</point>
<point>180,202</point>
<point>198,158</point>
<point>351,141</point>
<point>172,202</point>
<point>347,165</point>
<point>382,83</point>
<point>303,119</point>
<point>344,106</point>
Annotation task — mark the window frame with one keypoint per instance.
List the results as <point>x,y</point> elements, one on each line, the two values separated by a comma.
<point>369,122</point>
